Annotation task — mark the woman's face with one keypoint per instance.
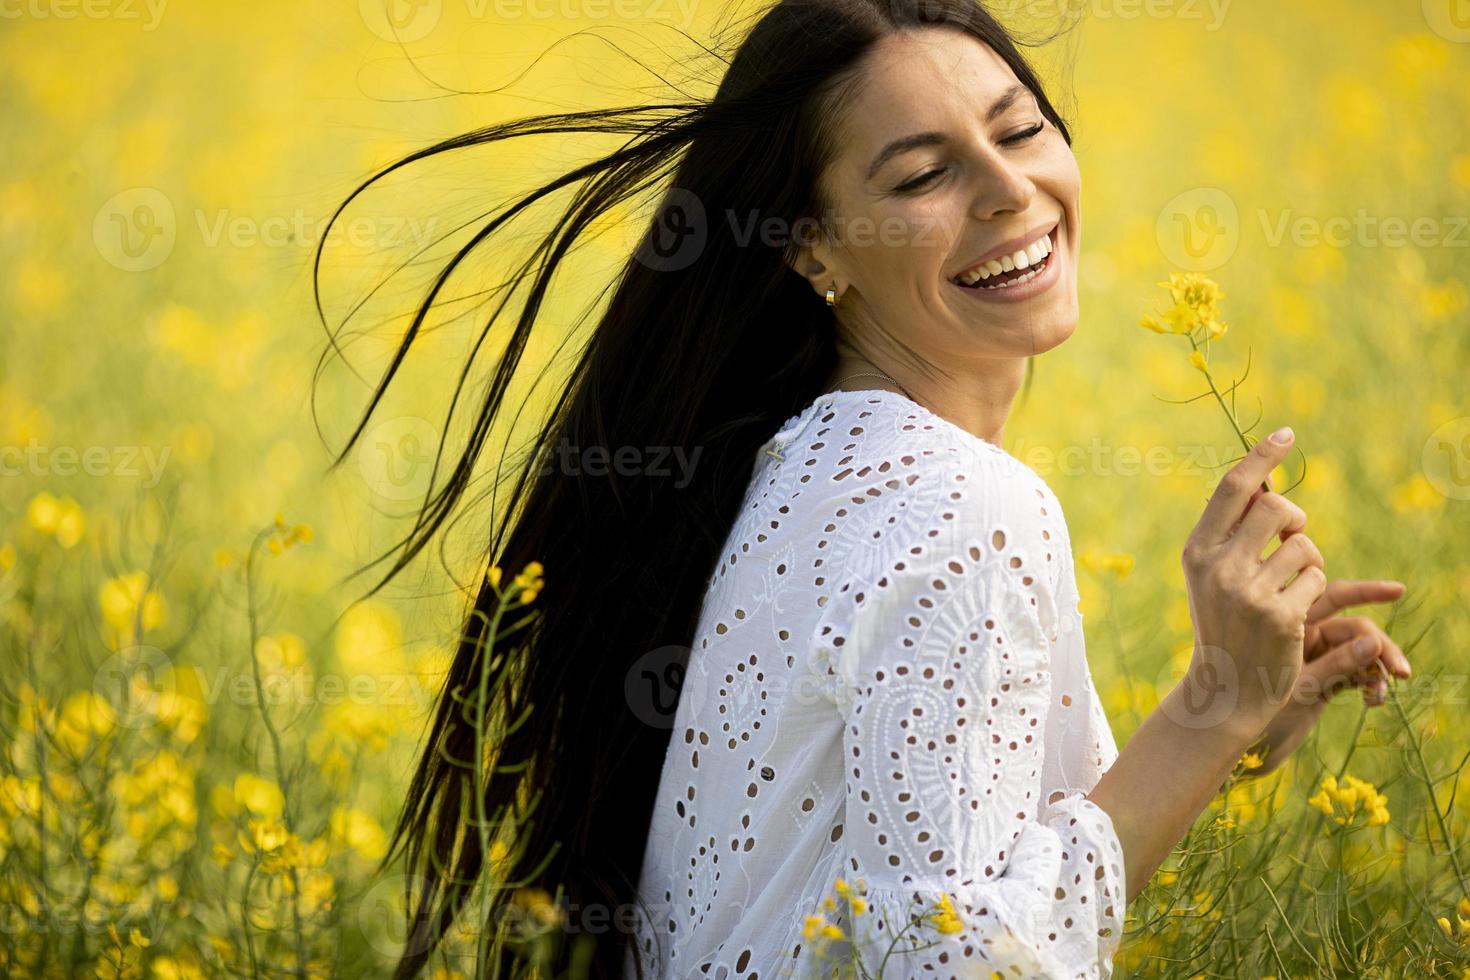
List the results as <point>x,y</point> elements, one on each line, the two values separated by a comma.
<point>945,160</point>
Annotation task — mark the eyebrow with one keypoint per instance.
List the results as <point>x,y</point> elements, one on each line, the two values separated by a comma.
<point>916,140</point>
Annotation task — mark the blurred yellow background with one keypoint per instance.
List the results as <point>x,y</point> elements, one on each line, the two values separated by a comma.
<point>166,170</point>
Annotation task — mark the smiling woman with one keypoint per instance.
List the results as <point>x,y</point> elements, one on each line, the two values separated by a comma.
<point>886,696</point>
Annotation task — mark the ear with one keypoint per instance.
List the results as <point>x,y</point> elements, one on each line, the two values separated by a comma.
<point>809,256</point>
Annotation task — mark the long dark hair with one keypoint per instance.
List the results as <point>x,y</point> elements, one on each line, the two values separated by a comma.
<point>704,347</point>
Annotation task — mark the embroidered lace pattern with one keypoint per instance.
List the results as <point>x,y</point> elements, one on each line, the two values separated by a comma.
<point>888,684</point>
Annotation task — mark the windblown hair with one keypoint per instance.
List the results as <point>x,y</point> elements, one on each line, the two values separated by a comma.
<point>712,345</point>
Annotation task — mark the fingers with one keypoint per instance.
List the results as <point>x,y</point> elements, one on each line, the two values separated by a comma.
<point>1296,553</point>
<point>1342,593</point>
<point>1344,629</point>
<point>1229,501</point>
<point>1271,514</point>
<point>1305,588</point>
<point>1347,665</point>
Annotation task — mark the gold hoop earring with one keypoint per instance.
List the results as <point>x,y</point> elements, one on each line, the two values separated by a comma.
<point>831,295</point>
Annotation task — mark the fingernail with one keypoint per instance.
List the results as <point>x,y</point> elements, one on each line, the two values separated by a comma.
<point>1282,435</point>
<point>1364,648</point>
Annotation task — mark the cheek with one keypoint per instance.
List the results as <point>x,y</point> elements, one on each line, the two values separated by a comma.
<point>1058,167</point>
<point>933,231</point>
<point>903,243</point>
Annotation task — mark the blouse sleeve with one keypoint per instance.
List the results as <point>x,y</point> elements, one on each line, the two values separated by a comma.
<point>943,683</point>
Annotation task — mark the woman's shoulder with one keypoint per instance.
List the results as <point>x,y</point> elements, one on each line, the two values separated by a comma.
<point>862,454</point>
<point>923,535</point>
<point>908,512</point>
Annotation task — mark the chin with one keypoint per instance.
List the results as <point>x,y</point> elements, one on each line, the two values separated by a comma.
<point>1052,335</point>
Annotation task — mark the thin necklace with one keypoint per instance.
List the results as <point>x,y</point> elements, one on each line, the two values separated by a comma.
<point>870,374</point>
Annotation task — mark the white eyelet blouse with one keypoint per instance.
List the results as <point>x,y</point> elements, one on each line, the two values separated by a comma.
<point>887,686</point>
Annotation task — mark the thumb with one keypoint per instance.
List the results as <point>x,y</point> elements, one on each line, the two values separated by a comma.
<point>1344,665</point>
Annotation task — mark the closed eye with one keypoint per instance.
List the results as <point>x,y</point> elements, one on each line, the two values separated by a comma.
<point>1024,135</point>
<point>923,180</point>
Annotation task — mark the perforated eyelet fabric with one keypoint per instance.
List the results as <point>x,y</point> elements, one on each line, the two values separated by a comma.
<point>888,684</point>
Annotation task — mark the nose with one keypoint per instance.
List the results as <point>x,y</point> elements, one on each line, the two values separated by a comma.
<point>1004,186</point>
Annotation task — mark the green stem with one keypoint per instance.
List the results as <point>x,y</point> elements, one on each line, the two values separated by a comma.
<point>1229,414</point>
<point>277,753</point>
<point>1429,787</point>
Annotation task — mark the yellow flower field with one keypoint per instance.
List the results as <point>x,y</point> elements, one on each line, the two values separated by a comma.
<point>207,737</point>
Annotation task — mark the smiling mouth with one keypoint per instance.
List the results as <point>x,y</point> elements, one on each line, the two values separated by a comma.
<point>1008,271</point>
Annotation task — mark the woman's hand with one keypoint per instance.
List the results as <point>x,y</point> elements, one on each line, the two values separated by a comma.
<point>1339,652</point>
<point>1248,612</point>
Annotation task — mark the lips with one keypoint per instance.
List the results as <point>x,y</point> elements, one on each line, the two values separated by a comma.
<point>1019,253</point>
<point>1017,285</point>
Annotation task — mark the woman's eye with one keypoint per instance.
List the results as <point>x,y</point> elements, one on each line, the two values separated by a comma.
<point>1024,135</point>
<point>921,180</point>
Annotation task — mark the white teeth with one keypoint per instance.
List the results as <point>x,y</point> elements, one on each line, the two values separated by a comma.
<point>1031,255</point>
<point>1017,281</point>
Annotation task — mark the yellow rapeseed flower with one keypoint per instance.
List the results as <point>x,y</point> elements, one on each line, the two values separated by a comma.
<point>264,836</point>
<point>1353,798</point>
<point>127,601</point>
<point>360,832</point>
<point>946,920</point>
<point>1119,563</point>
<point>57,517</point>
<point>1193,290</point>
<point>529,582</point>
<point>1198,360</point>
<point>85,717</point>
<point>1195,307</point>
<point>284,536</point>
<point>171,968</point>
<point>260,796</point>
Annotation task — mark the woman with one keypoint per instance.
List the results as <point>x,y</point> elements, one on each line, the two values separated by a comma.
<point>887,692</point>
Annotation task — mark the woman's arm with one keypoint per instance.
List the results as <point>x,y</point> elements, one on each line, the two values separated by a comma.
<point>941,638</point>
<point>1165,776</point>
<point>1249,617</point>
